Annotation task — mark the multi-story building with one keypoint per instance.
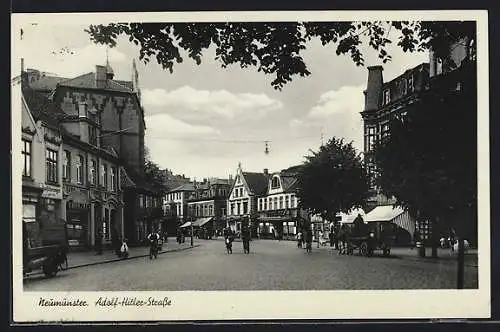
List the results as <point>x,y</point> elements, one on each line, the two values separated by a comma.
<point>92,192</point>
<point>41,152</point>
<point>84,172</point>
<point>207,205</point>
<point>107,112</point>
<point>278,209</point>
<point>385,101</point>
<point>242,202</point>
<point>175,206</point>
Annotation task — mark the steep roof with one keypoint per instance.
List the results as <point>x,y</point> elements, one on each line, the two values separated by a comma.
<point>88,81</point>
<point>47,83</point>
<point>41,107</point>
<point>257,182</point>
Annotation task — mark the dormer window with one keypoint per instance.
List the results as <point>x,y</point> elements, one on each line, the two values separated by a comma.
<point>275,183</point>
<point>387,97</point>
<point>82,110</point>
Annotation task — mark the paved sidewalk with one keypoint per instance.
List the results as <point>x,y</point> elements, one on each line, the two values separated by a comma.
<point>444,255</point>
<point>80,259</point>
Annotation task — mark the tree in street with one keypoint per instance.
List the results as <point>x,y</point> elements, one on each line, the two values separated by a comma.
<point>275,48</point>
<point>429,160</point>
<point>332,180</point>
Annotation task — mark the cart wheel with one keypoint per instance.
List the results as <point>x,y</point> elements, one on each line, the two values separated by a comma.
<point>50,269</point>
<point>387,252</point>
<point>363,249</point>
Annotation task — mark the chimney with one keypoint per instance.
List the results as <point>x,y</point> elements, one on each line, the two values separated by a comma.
<point>266,171</point>
<point>100,77</point>
<point>373,92</point>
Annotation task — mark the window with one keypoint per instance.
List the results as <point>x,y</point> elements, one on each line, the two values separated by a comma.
<point>51,165</point>
<point>26,152</point>
<point>93,166</point>
<point>281,202</point>
<point>387,97</point>
<point>104,172</point>
<point>223,211</point>
<point>385,129</point>
<point>141,201</point>
<point>245,207</point>
<point>370,138</point>
<point>210,210</point>
<point>260,204</point>
<point>113,178</point>
<point>411,86</point>
<point>232,209</point>
<point>29,213</point>
<point>265,203</point>
<point>67,166</point>
<point>79,169</point>
<point>287,203</point>
<point>93,135</point>
<point>275,199</point>
<point>238,205</point>
<point>275,183</point>
<point>292,201</point>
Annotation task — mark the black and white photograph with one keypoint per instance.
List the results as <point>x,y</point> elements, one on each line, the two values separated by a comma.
<point>261,165</point>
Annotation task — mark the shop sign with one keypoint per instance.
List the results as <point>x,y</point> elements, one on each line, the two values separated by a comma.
<point>49,192</point>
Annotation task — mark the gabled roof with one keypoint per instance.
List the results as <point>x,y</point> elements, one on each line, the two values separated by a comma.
<point>88,81</point>
<point>257,182</point>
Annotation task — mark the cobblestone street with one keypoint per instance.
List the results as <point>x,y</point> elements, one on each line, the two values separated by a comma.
<point>271,265</point>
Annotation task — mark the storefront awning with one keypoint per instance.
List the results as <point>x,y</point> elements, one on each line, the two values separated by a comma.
<point>270,219</point>
<point>186,224</point>
<point>348,218</point>
<point>383,213</point>
<point>201,221</point>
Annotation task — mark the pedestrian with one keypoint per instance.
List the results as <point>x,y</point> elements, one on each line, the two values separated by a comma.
<point>245,235</point>
<point>309,236</point>
<point>98,242</point>
<point>228,240</point>
<point>299,239</point>
<point>124,249</point>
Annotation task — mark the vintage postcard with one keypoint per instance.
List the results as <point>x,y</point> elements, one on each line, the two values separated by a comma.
<point>250,166</point>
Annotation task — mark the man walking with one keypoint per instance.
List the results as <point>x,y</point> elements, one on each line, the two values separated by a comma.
<point>245,236</point>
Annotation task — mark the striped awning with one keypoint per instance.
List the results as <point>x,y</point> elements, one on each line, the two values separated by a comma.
<point>383,213</point>
<point>186,224</point>
<point>202,221</point>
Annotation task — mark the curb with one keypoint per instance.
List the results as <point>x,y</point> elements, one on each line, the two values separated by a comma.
<point>130,257</point>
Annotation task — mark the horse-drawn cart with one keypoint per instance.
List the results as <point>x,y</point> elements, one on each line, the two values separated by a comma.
<point>370,237</point>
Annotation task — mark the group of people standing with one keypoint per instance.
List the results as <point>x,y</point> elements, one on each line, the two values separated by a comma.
<point>229,237</point>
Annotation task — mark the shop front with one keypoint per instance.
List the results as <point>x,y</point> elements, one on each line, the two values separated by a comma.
<point>78,219</point>
<point>31,227</point>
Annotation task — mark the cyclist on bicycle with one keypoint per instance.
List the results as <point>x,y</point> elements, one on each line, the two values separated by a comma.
<point>153,238</point>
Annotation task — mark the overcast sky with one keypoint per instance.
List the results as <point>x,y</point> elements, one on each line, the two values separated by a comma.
<point>197,117</point>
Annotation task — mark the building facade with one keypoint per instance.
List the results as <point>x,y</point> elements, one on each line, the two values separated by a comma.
<point>385,101</point>
<point>41,151</point>
<point>175,206</point>
<point>92,193</point>
<point>207,205</point>
<point>106,112</point>
<point>242,201</point>
<point>278,210</point>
